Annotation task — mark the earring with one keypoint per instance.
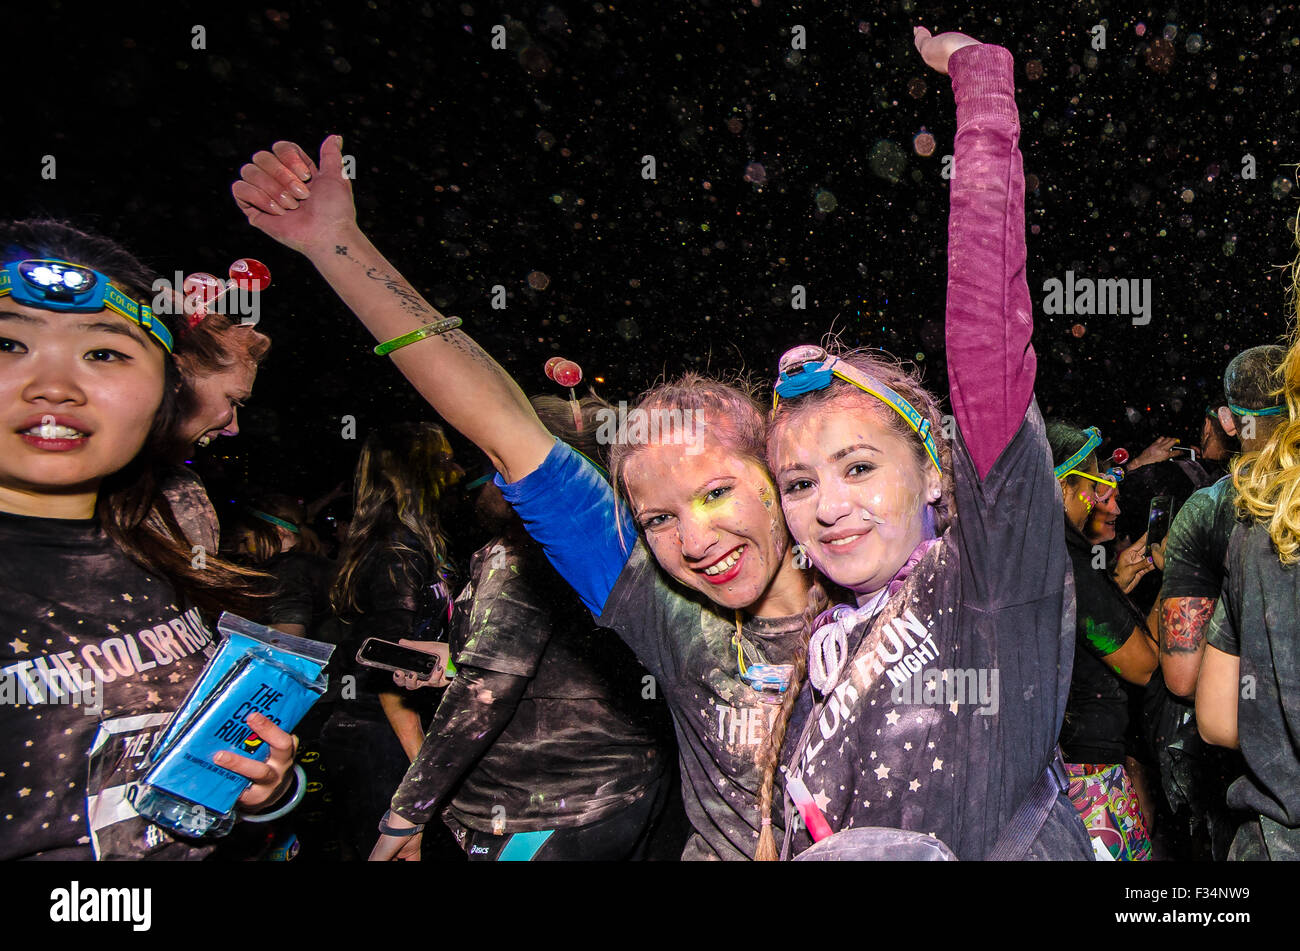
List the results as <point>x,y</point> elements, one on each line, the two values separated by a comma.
<point>801,559</point>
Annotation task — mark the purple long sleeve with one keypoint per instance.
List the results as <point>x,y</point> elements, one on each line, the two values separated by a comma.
<point>991,363</point>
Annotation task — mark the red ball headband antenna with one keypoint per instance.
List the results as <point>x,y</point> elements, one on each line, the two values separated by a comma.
<point>567,373</point>
<point>248,274</point>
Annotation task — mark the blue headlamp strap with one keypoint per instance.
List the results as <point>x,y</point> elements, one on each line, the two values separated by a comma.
<point>71,288</point>
<point>817,375</point>
<point>1093,441</point>
<point>274,521</point>
<point>1266,411</point>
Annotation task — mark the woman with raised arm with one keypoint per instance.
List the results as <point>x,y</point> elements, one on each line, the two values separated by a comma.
<point>939,696</point>
<point>719,627</point>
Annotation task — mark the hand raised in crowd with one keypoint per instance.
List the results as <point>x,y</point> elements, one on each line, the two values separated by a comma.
<point>1162,450</point>
<point>937,50</point>
<point>285,194</point>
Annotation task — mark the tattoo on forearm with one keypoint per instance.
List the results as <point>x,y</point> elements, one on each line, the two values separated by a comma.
<point>411,302</point>
<point>1182,624</point>
<point>341,249</point>
<point>462,342</point>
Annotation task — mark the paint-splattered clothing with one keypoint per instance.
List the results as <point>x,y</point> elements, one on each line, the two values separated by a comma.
<point>681,638</point>
<point>78,612</point>
<point>721,722</point>
<point>549,723</point>
<point>949,705</point>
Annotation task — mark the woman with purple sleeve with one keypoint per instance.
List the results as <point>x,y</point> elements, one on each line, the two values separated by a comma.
<point>939,696</point>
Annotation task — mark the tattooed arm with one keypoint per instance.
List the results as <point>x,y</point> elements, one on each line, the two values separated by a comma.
<point>1182,641</point>
<point>461,382</point>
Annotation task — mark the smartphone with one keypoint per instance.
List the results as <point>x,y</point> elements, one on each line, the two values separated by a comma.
<point>385,655</point>
<point>1158,519</point>
<point>1191,451</point>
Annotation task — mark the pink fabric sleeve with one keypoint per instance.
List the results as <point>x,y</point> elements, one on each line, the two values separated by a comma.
<point>991,363</point>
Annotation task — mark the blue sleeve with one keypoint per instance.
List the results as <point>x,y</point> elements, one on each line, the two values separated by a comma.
<point>569,508</point>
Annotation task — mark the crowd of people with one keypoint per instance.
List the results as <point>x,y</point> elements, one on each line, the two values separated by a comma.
<point>831,627</point>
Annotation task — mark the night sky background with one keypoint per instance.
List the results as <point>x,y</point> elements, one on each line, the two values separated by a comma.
<point>522,167</point>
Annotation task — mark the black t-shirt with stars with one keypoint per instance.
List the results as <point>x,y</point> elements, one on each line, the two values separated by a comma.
<point>951,751</point>
<point>95,656</point>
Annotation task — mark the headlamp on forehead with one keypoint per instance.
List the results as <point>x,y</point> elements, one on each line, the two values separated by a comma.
<point>71,288</point>
<point>809,368</point>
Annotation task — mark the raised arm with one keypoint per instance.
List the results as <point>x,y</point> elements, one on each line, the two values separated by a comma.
<point>562,500</point>
<point>310,209</point>
<point>991,364</point>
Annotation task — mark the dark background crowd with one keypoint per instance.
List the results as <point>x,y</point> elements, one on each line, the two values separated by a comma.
<point>775,167</point>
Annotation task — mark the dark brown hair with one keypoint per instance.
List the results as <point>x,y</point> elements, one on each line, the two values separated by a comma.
<point>127,498</point>
<point>401,475</point>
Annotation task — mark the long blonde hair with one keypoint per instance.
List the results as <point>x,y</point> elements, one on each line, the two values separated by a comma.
<point>1268,481</point>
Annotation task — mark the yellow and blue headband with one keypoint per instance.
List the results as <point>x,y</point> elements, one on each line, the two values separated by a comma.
<point>1092,442</point>
<point>809,368</point>
<point>72,288</point>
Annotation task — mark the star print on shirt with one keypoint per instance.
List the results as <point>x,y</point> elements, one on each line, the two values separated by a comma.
<point>19,646</point>
<point>127,598</point>
<point>914,785</point>
<point>822,801</point>
<point>882,771</point>
<point>936,765</point>
<point>152,697</point>
<point>892,717</point>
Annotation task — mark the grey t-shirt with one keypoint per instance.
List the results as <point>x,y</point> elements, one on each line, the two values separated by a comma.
<point>1258,619</point>
<point>685,643</point>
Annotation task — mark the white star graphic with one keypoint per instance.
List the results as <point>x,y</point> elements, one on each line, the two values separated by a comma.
<point>882,771</point>
<point>127,598</point>
<point>936,765</point>
<point>152,697</point>
<point>24,792</point>
<point>892,717</point>
<point>822,801</point>
<point>952,708</point>
<point>19,646</point>
<point>907,746</point>
<point>914,785</point>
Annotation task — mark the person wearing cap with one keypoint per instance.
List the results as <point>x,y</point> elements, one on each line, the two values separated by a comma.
<point>1199,534</point>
